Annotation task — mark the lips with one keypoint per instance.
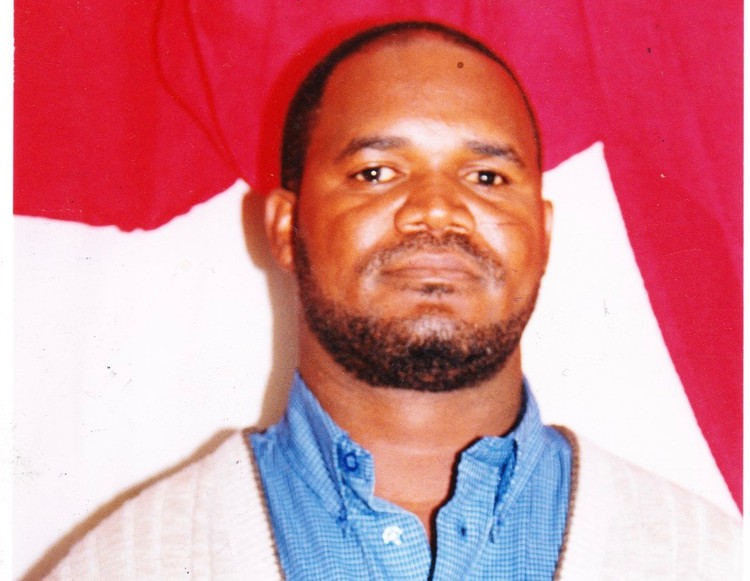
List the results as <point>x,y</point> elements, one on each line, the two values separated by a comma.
<point>424,257</point>
<point>433,266</point>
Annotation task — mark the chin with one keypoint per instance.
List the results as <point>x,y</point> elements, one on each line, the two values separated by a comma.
<point>434,326</point>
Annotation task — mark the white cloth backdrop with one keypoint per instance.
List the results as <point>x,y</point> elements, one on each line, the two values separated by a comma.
<point>134,351</point>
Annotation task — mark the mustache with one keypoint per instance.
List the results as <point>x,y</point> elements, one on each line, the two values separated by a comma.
<point>490,264</point>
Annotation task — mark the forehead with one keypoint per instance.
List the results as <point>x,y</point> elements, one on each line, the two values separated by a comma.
<point>423,76</point>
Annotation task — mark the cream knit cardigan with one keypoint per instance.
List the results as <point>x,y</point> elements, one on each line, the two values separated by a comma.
<point>209,521</point>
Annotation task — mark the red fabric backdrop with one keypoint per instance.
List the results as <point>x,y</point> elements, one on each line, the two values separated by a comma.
<point>128,113</point>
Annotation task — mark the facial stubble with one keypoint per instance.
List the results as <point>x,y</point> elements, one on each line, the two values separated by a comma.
<point>429,352</point>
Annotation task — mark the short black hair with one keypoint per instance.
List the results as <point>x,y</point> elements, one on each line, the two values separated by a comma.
<point>305,105</point>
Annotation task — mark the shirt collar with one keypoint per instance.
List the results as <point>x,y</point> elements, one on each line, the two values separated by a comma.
<point>341,472</point>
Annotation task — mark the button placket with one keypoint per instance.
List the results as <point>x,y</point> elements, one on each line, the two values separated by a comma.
<point>468,517</point>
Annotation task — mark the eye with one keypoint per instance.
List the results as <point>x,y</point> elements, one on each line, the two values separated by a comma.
<point>486,178</point>
<point>376,175</point>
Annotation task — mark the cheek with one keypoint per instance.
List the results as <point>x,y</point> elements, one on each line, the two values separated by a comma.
<point>339,236</point>
<point>358,230</point>
<point>519,243</point>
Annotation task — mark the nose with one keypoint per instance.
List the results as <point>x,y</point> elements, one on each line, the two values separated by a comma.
<point>434,206</point>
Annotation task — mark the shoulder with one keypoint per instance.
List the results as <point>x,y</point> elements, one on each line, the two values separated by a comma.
<point>626,523</point>
<point>207,520</point>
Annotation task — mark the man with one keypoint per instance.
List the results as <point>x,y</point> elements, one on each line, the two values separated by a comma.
<point>412,217</point>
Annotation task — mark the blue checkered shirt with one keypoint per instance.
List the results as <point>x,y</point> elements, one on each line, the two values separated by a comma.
<point>505,519</point>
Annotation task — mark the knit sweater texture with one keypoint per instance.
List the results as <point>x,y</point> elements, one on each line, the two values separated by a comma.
<point>209,521</point>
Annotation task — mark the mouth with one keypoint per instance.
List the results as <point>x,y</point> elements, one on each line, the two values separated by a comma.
<point>421,258</point>
<point>433,268</point>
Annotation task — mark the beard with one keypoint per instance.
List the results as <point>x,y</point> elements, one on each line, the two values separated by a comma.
<point>430,352</point>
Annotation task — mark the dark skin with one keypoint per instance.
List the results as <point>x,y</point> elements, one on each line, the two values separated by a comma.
<point>407,141</point>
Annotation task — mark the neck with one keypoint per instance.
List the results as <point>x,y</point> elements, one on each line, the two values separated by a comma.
<point>415,437</point>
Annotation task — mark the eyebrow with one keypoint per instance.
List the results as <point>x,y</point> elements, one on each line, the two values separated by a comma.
<point>375,142</point>
<point>506,152</point>
<point>385,143</point>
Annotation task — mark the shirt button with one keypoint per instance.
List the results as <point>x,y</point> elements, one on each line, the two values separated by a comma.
<point>392,535</point>
<point>350,462</point>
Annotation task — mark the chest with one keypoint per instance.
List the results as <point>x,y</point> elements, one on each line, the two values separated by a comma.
<point>377,540</point>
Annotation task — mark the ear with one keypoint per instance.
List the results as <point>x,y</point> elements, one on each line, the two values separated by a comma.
<point>547,216</point>
<point>279,222</point>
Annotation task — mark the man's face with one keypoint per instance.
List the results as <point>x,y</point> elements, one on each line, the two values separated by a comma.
<point>420,226</point>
